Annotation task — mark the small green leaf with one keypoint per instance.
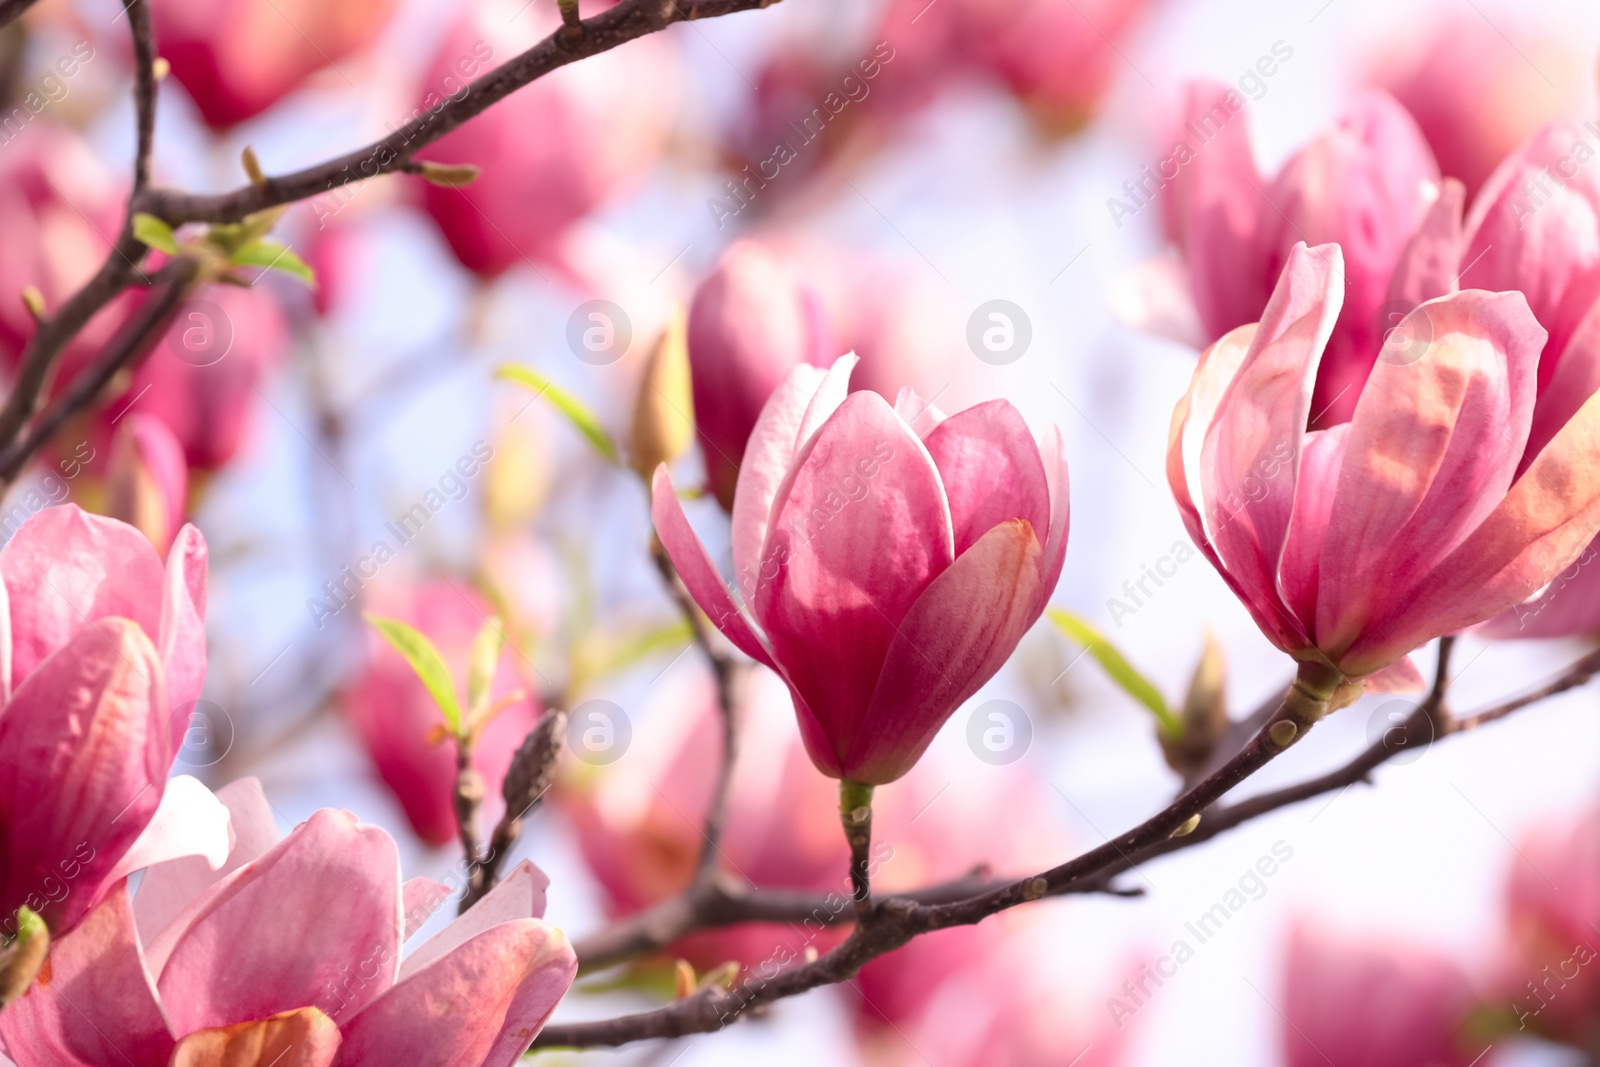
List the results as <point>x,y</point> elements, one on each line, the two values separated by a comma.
<point>1121,671</point>
<point>273,256</point>
<point>574,409</point>
<point>426,661</point>
<point>155,233</point>
<point>485,658</point>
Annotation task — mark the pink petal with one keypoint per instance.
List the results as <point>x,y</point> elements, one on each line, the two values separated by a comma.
<point>482,1003</point>
<point>65,568</point>
<point>419,899</point>
<point>1543,524</point>
<point>190,823</point>
<point>1537,233</point>
<point>1431,262</point>
<point>84,745</point>
<point>168,888</point>
<point>991,471</point>
<point>1432,450</point>
<point>240,952</point>
<point>694,566</point>
<point>1568,607</point>
<point>1055,548</point>
<point>1366,185</point>
<point>921,415</point>
<point>1401,676</point>
<point>957,635</point>
<point>519,895</point>
<point>1251,454</point>
<point>1571,375</point>
<point>303,1038</point>
<point>96,1004</point>
<point>860,529</point>
<point>773,443</point>
<point>182,639</point>
<point>1154,297</point>
<point>831,391</point>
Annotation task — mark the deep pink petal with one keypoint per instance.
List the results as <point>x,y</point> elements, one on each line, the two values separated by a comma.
<point>519,895</point>
<point>991,470</point>
<point>168,888</point>
<point>694,566</point>
<point>96,1004</point>
<point>1055,547</point>
<point>1570,376</point>
<point>956,636</point>
<point>483,1003</point>
<point>182,632</point>
<point>1299,572</point>
<point>241,952</point>
<point>84,745</point>
<point>1251,453</point>
<point>1568,607</point>
<point>1431,451</point>
<point>860,529</point>
<point>1430,264</point>
<point>1541,527</point>
<point>66,567</point>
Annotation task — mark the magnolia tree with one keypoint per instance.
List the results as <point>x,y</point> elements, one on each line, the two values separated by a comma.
<point>1389,440</point>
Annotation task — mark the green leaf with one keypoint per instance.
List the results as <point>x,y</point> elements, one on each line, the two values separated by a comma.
<point>574,409</point>
<point>485,658</point>
<point>273,256</point>
<point>1136,685</point>
<point>155,233</point>
<point>426,661</point>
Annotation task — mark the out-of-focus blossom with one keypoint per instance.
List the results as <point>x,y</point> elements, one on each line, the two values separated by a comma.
<point>1475,92</point>
<point>239,57</point>
<point>1365,185</point>
<point>147,483</point>
<point>550,153</point>
<point>400,724</point>
<point>292,955</point>
<point>59,210</point>
<point>663,411</point>
<point>1552,979</point>
<point>1353,1004</point>
<point>201,379</point>
<point>1353,545</point>
<point>752,321</point>
<point>892,558</point>
<point>101,654</point>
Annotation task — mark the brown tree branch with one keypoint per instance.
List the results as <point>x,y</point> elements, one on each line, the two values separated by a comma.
<point>11,10</point>
<point>144,89</point>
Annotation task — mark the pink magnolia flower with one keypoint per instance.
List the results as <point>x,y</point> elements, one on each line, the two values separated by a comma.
<point>888,572</point>
<point>1475,93</point>
<point>1373,1005</point>
<point>100,654</point>
<point>147,483</point>
<point>1365,185</point>
<point>239,57</point>
<point>291,954</point>
<point>1552,975</point>
<point>402,727</point>
<point>752,320</point>
<point>550,153</point>
<point>1353,545</point>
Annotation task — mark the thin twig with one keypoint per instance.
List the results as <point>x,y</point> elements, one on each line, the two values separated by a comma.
<point>144,88</point>
<point>11,10</point>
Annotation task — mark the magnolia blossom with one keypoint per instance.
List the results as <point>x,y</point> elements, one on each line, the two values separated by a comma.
<point>1365,185</point>
<point>147,484</point>
<point>402,727</point>
<point>1373,1005</point>
<point>239,57</point>
<point>890,560</point>
<point>290,955</point>
<point>550,153</point>
<point>101,657</point>
<point>1353,545</point>
<point>752,320</point>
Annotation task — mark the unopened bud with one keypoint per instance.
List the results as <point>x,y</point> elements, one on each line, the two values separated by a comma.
<point>160,68</point>
<point>533,767</point>
<point>449,175</point>
<point>1186,827</point>
<point>1036,888</point>
<point>23,956</point>
<point>663,413</point>
<point>683,979</point>
<point>252,166</point>
<point>1283,732</point>
<point>147,479</point>
<point>33,300</point>
<point>1204,716</point>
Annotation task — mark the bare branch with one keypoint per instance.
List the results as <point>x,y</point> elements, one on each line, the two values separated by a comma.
<point>144,88</point>
<point>11,10</point>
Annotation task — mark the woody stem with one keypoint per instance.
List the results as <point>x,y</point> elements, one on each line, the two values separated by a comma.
<point>855,814</point>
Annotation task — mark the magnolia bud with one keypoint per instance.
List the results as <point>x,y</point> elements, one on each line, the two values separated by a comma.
<point>449,175</point>
<point>533,767</point>
<point>252,166</point>
<point>22,957</point>
<point>33,300</point>
<point>1204,716</point>
<point>147,483</point>
<point>663,413</point>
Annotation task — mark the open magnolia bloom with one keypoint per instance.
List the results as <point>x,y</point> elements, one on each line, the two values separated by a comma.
<point>889,558</point>
<point>289,956</point>
<point>1352,546</point>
